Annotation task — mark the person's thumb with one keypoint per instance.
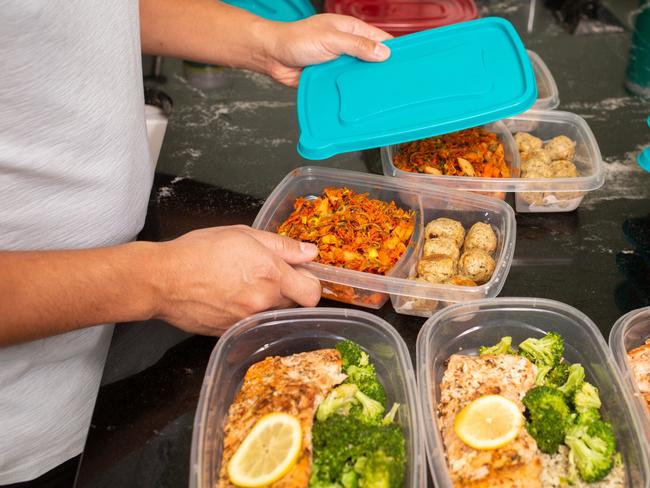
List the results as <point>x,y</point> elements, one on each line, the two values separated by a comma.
<point>290,250</point>
<point>358,46</point>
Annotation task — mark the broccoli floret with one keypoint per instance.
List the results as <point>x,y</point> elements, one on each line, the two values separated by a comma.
<point>540,377</point>
<point>574,381</point>
<point>389,418</point>
<point>371,410</point>
<point>588,416</point>
<point>351,354</point>
<point>340,441</point>
<point>340,400</point>
<point>547,417</point>
<point>545,351</point>
<point>504,346</point>
<point>592,448</point>
<point>378,471</point>
<point>349,478</point>
<point>558,375</point>
<point>586,398</point>
<point>365,377</point>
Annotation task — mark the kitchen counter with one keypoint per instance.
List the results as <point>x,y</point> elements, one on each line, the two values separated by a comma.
<point>226,148</point>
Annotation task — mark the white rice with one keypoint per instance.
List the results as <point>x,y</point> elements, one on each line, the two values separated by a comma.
<point>556,467</point>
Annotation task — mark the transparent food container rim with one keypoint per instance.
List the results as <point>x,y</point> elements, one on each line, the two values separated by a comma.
<point>402,354</point>
<point>424,376</point>
<point>403,286</point>
<point>552,101</point>
<point>617,345</point>
<point>579,183</point>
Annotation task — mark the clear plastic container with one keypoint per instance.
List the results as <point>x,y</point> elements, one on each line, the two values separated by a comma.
<point>465,327</point>
<point>548,96</point>
<point>631,331</point>
<point>371,290</point>
<point>557,194</point>
<point>288,332</point>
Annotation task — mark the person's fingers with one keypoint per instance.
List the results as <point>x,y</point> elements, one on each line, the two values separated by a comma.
<point>290,250</point>
<point>358,27</point>
<point>358,46</point>
<point>299,286</point>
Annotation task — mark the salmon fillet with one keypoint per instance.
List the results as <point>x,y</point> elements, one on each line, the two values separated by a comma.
<point>295,385</point>
<point>640,363</point>
<point>467,378</point>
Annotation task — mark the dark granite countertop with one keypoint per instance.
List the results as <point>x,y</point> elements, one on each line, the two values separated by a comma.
<point>225,150</point>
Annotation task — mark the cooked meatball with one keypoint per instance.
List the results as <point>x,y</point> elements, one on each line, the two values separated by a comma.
<point>527,142</point>
<point>560,147</point>
<point>532,197</point>
<point>536,166</point>
<point>481,236</point>
<point>477,265</point>
<point>563,169</point>
<point>443,246</point>
<point>444,227</point>
<point>536,154</point>
<point>436,269</point>
<point>460,280</point>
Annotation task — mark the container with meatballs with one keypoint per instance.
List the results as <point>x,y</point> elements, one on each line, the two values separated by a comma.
<point>375,234</point>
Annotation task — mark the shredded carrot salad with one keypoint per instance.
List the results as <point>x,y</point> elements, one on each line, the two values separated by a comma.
<point>470,152</point>
<point>351,230</point>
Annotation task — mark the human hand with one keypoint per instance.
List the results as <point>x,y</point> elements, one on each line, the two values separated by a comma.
<point>211,278</point>
<point>318,39</point>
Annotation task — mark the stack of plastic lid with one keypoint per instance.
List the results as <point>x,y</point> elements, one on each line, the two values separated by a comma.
<point>400,17</point>
<point>280,10</point>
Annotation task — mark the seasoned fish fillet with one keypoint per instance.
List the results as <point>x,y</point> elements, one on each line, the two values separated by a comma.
<point>295,385</point>
<point>640,363</point>
<point>467,378</point>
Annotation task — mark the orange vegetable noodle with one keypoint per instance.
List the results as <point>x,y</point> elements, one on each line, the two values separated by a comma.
<point>351,230</point>
<point>470,152</point>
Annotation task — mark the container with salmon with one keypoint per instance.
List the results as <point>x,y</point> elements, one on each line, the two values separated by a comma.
<point>380,237</point>
<point>523,392</point>
<point>629,340</point>
<point>308,398</point>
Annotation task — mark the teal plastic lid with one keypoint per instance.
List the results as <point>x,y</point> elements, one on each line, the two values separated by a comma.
<point>280,10</point>
<point>436,81</point>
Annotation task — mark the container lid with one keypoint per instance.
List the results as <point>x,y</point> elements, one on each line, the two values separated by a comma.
<point>280,10</point>
<point>400,17</point>
<point>436,81</point>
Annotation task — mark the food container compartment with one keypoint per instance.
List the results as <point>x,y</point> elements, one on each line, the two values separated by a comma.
<point>288,332</point>
<point>465,327</point>
<point>629,332</point>
<point>564,194</point>
<point>371,290</point>
<point>491,187</point>
<point>559,194</point>
<point>548,95</point>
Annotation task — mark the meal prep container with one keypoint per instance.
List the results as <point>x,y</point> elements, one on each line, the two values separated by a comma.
<point>548,95</point>
<point>278,10</point>
<point>371,290</point>
<point>464,327</point>
<point>629,332</point>
<point>565,194</point>
<point>286,332</point>
<point>399,17</point>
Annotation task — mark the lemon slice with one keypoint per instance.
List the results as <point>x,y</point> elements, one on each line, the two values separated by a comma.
<point>268,452</point>
<point>489,422</point>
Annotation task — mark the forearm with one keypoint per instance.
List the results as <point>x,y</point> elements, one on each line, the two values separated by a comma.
<point>51,292</point>
<point>204,30</point>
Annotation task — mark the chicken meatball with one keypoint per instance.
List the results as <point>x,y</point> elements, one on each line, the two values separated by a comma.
<point>443,246</point>
<point>560,147</point>
<point>536,154</point>
<point>527,142</point>
<point>563,169</point>
<point>481,236</point>
<point>536,166</point>
<point>444,227</point>
<point>436,269</point>
<point>477,265</point>
<point>532,197</point>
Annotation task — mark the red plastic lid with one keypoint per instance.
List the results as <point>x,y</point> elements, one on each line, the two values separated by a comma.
<point>400,17</point>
